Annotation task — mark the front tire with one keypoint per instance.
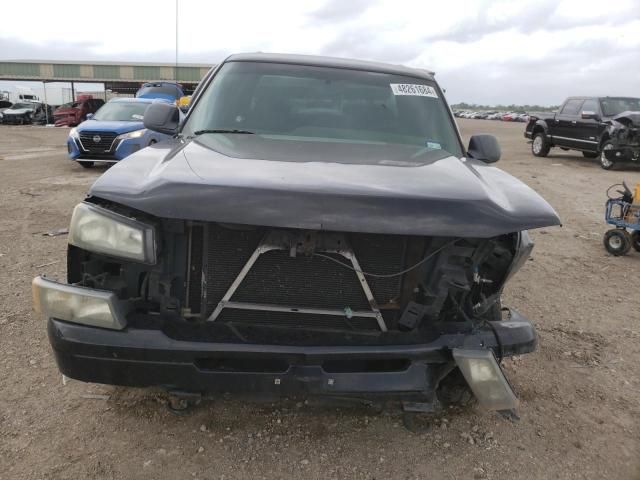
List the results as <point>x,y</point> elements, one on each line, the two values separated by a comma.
<point>605,163</point>
<point>540,146</point>
<point>455,391</point>
<point>84,164</point>
<point>617,241</point>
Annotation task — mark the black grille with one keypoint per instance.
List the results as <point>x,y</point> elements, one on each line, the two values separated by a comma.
<point>279,279</point>
<point>102,145</point>
<point>194,294</point>
<point>311,282</point>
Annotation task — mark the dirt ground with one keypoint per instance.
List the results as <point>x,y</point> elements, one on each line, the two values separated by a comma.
<point>580,392</point>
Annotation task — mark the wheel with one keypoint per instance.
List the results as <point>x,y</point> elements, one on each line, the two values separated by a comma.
<point>539,146</point>
<point>418,423</point>
<point>455,391</point>
<point>85,164</point>
<point>617,241</point>
<point>635,240</point>
<point>590,154</point>
<point>604,161</point>
<point>152,142</point>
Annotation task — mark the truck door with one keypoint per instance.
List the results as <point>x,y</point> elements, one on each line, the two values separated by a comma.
<point>590,125</point>
<point>564,131</point>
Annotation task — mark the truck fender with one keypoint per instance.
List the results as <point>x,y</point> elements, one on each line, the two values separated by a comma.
<point>539,125</point>
<point>607,134</point>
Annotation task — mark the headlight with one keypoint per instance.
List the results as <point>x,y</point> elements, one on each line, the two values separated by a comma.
<point>483,374</point>
<point>87,306</point>
<point>134,134</point>
<point>99,230</point>
<point>73,132</point>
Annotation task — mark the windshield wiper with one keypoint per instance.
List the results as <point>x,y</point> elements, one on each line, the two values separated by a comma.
<point>221,130</point>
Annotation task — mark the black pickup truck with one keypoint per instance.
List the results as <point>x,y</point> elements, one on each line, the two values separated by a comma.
<point>607,128</point>
<point>314,226</point>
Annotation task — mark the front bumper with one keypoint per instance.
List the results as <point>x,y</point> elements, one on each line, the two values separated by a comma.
<point>141,357</point>
<point>623,154</point>
<point>65,120</point>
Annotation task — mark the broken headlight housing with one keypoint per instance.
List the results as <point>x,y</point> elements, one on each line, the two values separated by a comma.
<point>99,230</point>
<point>524,247</point>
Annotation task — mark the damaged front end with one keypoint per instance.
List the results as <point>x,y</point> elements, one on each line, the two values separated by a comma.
<point>624,138</point>
<point>204,306</point>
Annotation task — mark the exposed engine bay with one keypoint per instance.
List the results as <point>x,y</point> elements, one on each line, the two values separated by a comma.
<point>250,280</point>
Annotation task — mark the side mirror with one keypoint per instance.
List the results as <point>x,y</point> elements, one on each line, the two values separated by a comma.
<point>589,115</point>
<point>484,148</point>
<point>162,117</point>
<point>89,116</point>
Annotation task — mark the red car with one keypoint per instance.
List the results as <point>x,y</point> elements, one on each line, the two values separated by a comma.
<point>72,114</point>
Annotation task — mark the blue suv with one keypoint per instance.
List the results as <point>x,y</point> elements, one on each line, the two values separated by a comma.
<point>113,133</point>
<point>171,91</point>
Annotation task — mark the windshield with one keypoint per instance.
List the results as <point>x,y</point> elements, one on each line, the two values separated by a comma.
<point>160,89</point>
<point>17,106</point>
<point>121,112</point>
<point>296,102</point>
<point>614,106</point>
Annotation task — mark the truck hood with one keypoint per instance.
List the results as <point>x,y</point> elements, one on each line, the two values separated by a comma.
<point>255,180</point>
<point>628,118</point>
<point>109,126</point>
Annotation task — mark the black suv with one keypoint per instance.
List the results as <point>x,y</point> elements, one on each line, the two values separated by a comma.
<point>314,226</point>
<point>603,127</point>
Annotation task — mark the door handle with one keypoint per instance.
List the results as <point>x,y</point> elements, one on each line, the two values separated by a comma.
<point>574,121</point>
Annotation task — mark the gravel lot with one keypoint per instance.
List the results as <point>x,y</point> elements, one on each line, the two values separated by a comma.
<point>580,392</point>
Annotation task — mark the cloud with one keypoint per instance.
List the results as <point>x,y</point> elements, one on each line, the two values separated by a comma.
<point>482,50</point>
<point>339,11</point>
<point>361,43</point>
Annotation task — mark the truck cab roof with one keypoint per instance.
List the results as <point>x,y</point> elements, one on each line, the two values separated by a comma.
<point>332,62</point>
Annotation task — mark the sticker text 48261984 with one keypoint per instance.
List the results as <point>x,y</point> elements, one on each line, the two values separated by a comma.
<point>413,89</point>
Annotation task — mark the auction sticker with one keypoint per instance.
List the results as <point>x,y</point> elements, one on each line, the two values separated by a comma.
<point>413,89</point>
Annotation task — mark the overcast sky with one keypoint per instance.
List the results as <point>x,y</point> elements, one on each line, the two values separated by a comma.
<point>483,51</point>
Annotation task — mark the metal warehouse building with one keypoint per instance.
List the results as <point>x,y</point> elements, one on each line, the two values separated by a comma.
<point>119,77</point>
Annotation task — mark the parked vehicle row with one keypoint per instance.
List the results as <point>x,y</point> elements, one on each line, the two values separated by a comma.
<point>493,115</point>
<point>28,109</point>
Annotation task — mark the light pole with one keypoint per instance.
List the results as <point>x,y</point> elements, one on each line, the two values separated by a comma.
<point>46,104</point>
<point>176,69</point>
